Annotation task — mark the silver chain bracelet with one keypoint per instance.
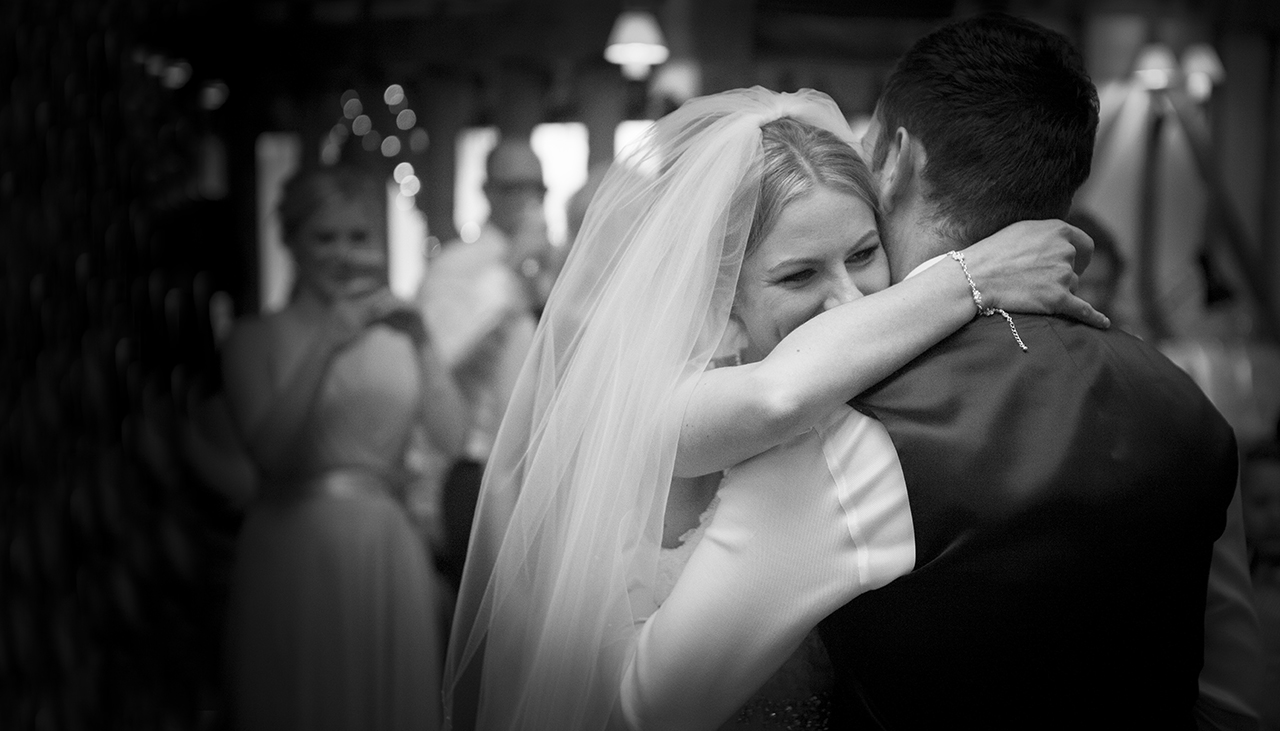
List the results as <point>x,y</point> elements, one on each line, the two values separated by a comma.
<point>977,299</point>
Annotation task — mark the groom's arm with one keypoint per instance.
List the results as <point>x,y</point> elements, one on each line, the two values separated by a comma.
<point>799,531</point>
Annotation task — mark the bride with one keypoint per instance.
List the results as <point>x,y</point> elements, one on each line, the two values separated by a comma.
<point>619,409</point>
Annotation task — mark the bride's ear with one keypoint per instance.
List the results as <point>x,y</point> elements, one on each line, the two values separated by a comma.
<point>902,164</point>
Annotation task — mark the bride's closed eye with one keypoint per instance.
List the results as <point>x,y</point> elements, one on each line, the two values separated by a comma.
<point>863,256</point>
<point>797,277</point>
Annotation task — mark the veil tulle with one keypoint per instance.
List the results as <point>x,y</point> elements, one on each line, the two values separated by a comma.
<point>562,564</point>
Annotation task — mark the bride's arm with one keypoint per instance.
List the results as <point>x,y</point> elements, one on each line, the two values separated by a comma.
<point>735,413</point>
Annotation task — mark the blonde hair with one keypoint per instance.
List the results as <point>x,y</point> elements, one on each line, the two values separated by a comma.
<point>797,157</point>
<point>312,189</point>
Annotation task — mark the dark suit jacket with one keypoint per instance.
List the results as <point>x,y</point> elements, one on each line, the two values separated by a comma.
<point>1065,503</point>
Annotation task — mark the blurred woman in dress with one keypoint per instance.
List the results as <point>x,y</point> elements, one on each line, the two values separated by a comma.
<point>336,618</point>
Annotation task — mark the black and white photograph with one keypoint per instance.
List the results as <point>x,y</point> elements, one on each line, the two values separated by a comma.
<point>639,365</point>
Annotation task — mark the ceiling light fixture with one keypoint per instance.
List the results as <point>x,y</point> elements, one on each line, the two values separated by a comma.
<point>636,44</point>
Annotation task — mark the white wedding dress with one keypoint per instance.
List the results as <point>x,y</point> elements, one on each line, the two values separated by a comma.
<point>797,696</point>
<point>793,534</point>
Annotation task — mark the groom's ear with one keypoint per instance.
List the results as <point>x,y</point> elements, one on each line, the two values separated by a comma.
<point>902,164</point>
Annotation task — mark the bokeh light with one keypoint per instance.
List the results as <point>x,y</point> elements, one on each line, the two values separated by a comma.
<point>213,95</point>
<point>404,202</point>
<point>330,152</point>
<point>418,140</point>
<point>176,75</point>
<point>351,108</point>
<point>406,119</point>
<point>469,232</point>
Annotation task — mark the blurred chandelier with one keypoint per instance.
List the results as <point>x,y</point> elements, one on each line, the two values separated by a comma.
<point>1199,71</point>
<point>1203,69</point>
<point>636,43</point>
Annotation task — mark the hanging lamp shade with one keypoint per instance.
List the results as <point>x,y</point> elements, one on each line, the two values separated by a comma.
<point>1201,58</point>
<point>636,43</point>
<point>1156,66</point>
<point>1203,69</point>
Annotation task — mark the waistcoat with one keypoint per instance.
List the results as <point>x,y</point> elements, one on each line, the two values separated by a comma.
<point>1065,502</point>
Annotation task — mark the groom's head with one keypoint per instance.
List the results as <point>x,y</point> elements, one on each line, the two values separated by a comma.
<point>982,123</point>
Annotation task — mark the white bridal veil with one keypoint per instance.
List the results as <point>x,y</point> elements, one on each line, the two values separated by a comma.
<point>564,548</point>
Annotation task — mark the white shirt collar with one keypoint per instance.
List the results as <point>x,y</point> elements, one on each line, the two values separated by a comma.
<point>925,265</point>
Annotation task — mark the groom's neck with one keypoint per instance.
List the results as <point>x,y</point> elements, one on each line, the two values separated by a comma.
<point>912,246</point>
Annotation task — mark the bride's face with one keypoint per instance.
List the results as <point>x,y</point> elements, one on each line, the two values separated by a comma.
<point>824,250</point>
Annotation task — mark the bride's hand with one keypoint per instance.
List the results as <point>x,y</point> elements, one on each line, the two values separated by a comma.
<point>1034,266</point>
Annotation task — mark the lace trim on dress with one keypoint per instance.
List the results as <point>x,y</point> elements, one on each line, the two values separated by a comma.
<point>811,714</point>
<point>671,561</point>
<point>776,707</point>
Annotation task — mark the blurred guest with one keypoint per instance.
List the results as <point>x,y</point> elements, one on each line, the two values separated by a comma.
<point>515,189</point>
<point>482,299</point>
<point>515,234</point>
<point>1101,279</point>
<point>576,208</point>
<point>335,615</point>
<point>1260,485</point>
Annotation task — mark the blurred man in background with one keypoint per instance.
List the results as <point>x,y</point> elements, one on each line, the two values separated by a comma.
<point>481,302</point>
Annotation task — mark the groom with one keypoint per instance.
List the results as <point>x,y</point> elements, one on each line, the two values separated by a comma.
<point>1065,500</point>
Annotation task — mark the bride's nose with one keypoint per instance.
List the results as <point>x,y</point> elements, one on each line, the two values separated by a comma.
<point>843,291</point>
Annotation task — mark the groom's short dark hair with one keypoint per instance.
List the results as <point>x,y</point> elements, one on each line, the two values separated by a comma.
<point>1007,116</point>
